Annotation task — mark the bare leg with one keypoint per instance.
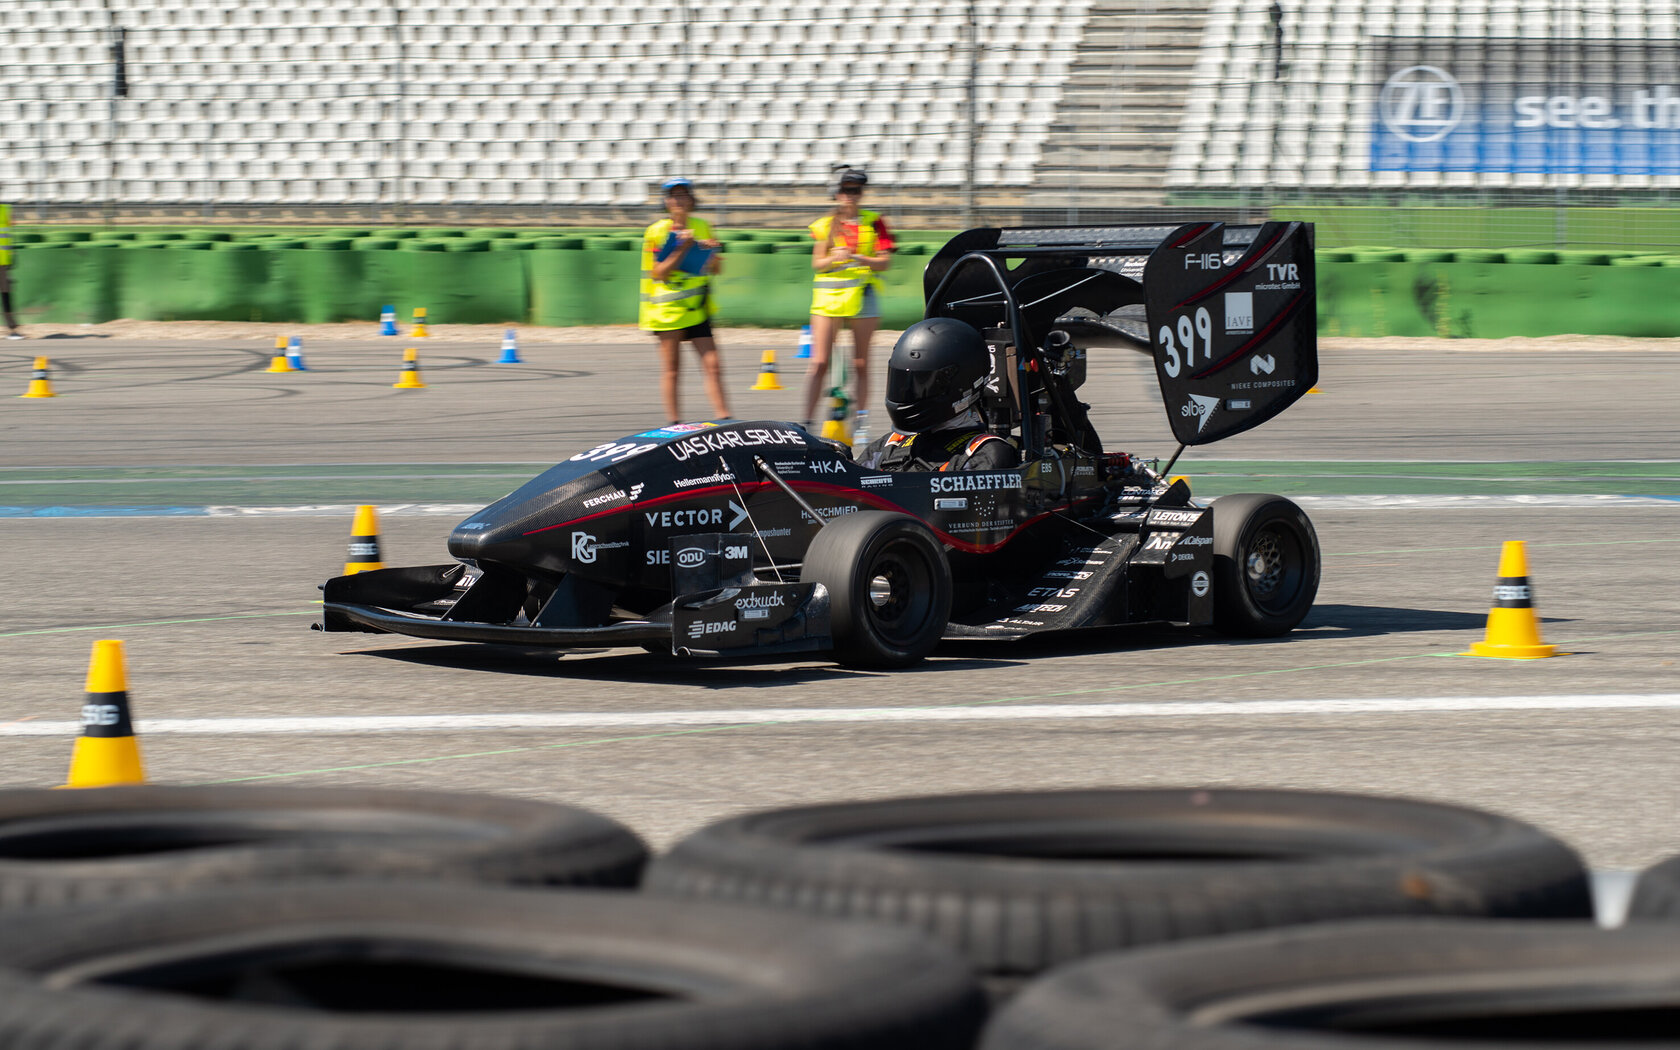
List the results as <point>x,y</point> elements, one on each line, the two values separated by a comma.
<point>711,370</point>
<point>863,330</point>
<point>822,344</point>
<point>670,356</point>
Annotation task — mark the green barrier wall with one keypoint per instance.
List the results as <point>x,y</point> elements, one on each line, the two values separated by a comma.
<point>559,281</point>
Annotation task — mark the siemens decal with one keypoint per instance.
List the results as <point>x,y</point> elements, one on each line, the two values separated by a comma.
<point>974,482</point>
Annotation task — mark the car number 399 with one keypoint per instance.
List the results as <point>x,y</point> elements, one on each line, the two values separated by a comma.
<point>1188,330</point>
<point>611,452</point>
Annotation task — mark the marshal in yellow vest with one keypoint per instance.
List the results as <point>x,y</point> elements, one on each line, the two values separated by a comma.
<point>682,300</point>
<point>839,289</point>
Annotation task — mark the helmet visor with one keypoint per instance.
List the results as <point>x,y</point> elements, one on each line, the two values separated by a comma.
<point>905,387</point>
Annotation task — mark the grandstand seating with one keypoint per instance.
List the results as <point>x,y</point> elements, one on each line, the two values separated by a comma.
<point>1310,128</point>
<point>339,101</point>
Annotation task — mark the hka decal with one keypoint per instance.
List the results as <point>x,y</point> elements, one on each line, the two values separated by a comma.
<point>832,466</point>
<point>974,482</point>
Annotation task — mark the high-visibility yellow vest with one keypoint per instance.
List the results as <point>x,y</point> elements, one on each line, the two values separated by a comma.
<point>5,235</point>
<point>681,300</point>
<point>839,289</point>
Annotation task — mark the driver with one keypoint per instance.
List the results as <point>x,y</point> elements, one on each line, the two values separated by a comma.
<point>938,370</point>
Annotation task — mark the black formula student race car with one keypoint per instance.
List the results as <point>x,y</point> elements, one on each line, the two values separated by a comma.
<point>738,539</point>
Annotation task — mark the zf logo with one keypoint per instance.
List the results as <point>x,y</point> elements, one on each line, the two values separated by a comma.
<point>583,548</point>
<point>1421,104</point>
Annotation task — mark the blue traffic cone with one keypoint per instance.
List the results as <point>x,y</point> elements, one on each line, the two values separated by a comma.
<point>388,321</point>
<point>294,354</point>
<point>510,349</point>
<point>804,342</point>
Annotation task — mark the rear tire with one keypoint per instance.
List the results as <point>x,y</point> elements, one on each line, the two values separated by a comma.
<point>889,587</point>
<point>1266,565</point>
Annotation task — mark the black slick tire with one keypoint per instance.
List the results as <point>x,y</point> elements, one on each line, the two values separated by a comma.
<point>889,587</point>
<point>1022,882</point>
<point>1656,896</point>
<point>68,847</point>
<point>1266,565</point>
<point>373,966</point>
<point>1383,985</point>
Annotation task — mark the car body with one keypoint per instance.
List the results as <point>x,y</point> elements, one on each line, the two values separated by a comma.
<point>753,538</point>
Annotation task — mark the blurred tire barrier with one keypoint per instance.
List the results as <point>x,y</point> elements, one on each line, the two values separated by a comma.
<point>67,847</point>
<point>1657,893</point>
<point>1363,986</point>
<point>1022,882</point>
<point>371,967</point>
<point>559,280</point>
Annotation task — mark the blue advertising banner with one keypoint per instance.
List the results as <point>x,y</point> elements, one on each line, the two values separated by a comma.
<point>1576,107</point>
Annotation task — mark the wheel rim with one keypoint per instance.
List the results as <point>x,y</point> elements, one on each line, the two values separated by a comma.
<point>1274,567</point>
<point>899,593</point>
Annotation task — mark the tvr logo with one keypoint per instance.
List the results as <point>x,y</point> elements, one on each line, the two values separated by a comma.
<point>1283,271</point>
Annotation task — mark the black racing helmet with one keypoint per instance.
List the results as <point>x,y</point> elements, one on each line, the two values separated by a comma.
<point>938,368</point>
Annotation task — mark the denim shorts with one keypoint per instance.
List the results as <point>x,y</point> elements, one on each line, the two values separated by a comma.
<point>871,303</point>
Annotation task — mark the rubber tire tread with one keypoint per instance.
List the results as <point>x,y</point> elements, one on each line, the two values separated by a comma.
<point>1162,997</point>
<point>1232,613</point>
<point>1657,893</point>
<point>834,558</point>
<point>520,841</point>
<point>744,979</point>
<point>1016,915</point>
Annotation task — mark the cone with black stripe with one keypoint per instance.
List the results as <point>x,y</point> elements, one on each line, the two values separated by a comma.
<point>106,753</point>
<point>40,381</point>
<point>409,377</point>
<point>1513,628</point>
<point>279,362</point>
<point>364,542</point>
<point>767,372</point>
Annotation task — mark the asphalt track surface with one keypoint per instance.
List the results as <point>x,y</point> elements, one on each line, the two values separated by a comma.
<point>1414,467</point>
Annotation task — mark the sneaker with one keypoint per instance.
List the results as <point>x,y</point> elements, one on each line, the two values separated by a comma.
<point>14,334</point>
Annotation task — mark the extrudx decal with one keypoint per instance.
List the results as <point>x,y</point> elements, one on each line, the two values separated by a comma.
<point>1577,105</point>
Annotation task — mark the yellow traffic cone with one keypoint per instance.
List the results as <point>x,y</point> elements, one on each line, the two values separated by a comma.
<point>419,331</point>
<point>410,377</point>
<point>364,542</point>
<point>834,427</point>
<point>39,385</point>
<point>1513,630</point>
<point>278,362</point>
<point>106,753</point>
<point>767,372</point>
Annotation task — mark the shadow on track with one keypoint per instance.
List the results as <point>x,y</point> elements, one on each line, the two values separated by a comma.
<point>1364,621</point>
<point>655,668</point>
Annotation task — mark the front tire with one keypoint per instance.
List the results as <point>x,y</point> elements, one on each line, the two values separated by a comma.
<point>889,587</point>
<point>1266,565</point>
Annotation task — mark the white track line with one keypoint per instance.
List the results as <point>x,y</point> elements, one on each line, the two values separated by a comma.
<point>547,721</point>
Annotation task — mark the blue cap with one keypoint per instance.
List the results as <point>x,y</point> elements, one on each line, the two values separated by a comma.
<point>674,183</point>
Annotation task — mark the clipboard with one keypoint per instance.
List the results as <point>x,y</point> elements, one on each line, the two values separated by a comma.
<point>694,262</point>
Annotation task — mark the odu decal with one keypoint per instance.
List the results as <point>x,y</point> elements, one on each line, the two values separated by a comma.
<point>974,482</point>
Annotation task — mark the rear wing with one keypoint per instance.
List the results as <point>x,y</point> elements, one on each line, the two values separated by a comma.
<point>1229,314</point>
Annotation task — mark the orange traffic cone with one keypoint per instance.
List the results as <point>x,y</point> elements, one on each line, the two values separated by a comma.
<point>410,377</point>
<point>419,330</point>
<point>39,384</point>
<point>1513,630</point>
<point>364,542</point>
<point>767,372</point>
<point>278,362</point>
<point>106,753</point>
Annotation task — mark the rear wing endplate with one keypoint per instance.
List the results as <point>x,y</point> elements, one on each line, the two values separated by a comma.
<point>1230,312</point>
